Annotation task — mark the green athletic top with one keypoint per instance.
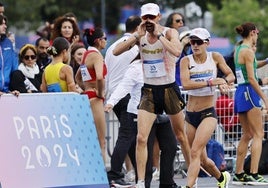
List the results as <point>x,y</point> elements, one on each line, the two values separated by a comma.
<point>240,69</point>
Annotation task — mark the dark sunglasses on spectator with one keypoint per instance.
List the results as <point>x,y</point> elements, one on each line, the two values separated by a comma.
<point>256,31</point>
<point>27,57</point>
<point>198,42</point>
<point>179,20</point>
<point>151,17</point>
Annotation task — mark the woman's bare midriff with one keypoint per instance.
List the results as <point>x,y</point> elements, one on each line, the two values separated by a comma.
<point>199,103</point>
<point>90,86</point>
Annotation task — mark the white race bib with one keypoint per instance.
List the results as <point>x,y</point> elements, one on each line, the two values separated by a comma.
<point>85,74</point>
<point>154,68</point>
<point>239,76</point>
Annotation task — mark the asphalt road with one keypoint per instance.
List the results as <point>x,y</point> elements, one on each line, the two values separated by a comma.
<point>205,182</point>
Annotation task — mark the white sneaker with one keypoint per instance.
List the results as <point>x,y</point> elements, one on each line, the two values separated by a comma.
<point>140,184</point>
<point>130,176</point>
<point>156,174</point>
<point>195,185</point>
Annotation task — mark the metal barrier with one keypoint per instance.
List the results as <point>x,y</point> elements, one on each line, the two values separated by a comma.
<point>228,131</point>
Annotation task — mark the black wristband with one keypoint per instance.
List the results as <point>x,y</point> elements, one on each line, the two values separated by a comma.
<point>226,80</point>
<point>159,35</point>
<point>260,82</point>
<point>136,36</point>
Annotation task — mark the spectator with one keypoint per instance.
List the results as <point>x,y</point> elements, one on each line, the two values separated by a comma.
<point>175,20</point>
<point>71,15</point>
<point>43,59</point>
<point>2,9</point>
<point>57,76</point>
<point>159,47</point>
<point>66,27</point>
<point>9,34</point>
<point>9,60</point>
<point>130,85</point>
<point>11,37</point>
<point>91,78</point>
<point>44,31</point>
<point>28,78</point>
<point>77,51</point>
<point>199,77</point>
<point>247,104</point>
<point>116,68</point>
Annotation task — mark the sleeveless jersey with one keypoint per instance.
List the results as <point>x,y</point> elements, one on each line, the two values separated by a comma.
<point>158,64</point>
<point>240,69</point>
<point>52,76</point>
<point>89,74</point>
<point>202,73</point>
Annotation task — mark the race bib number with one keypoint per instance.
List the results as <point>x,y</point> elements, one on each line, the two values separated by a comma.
<point>154,68</point>
<point>85,74</point>
<point>239,76</point>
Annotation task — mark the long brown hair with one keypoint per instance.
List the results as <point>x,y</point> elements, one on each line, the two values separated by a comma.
<point>56,32</point>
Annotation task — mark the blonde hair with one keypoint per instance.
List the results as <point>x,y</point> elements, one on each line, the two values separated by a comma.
<point>24,48</point>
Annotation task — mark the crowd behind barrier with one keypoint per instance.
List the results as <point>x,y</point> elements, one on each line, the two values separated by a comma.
<point>227,133</point>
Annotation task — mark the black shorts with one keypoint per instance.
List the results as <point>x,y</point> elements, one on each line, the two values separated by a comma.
<point>195,118</point>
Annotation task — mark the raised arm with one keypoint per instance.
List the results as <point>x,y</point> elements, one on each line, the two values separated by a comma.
<point>131,41</point>
<point>171,41</point>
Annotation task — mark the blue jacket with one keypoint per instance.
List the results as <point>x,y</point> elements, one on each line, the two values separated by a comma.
<point>8,63</point>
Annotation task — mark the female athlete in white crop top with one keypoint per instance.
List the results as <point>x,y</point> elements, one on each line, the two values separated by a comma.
<point>198,75</point>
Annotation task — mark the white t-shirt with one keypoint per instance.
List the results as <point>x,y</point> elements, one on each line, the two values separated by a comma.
<point>117,65</point>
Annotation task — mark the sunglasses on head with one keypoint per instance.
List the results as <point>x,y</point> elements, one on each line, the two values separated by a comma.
<point>27,57</point>
<point>198,42</point>
<point>179,20</point>
<point>151,17</point>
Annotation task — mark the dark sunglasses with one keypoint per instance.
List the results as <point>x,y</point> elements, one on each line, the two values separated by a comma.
<point>27,57</point>
<point>256,31</point>
<point>198,42</point>
<point>104,38</point>
<point>179,20</point>
<point>151,17</point>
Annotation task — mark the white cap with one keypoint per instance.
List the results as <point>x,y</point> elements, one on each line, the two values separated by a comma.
<point>184,31</point>
<point>150,8</point>
<point>201,33</point>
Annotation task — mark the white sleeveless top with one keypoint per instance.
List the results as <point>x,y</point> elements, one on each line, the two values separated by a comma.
<point>202,73</point>
<point>158,64</point>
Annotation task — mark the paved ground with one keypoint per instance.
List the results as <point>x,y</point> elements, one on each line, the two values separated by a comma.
<point>205,182</point>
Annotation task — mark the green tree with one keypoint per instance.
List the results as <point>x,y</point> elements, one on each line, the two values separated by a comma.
<point>234,13</point>
<point>29,14</point>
